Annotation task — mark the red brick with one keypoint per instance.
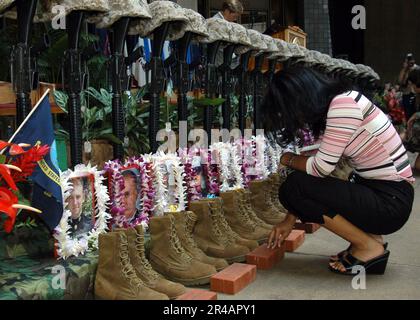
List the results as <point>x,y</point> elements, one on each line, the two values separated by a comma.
<point>265,258</point>
<point>307,227</point>
<point>197,294</point>
<point>294,240</point>
<point>233,279</point>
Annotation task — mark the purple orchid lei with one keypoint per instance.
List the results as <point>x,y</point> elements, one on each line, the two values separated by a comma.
<point>115,186</point>
<point>211,171</point>
<point>307,138</point>
<point>194,191</point>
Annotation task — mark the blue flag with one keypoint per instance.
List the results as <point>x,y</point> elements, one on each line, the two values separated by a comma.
<point>38,129</point>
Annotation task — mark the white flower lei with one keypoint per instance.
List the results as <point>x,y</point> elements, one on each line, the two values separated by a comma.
<point>162,193</point>
<point>230,165</point>
<point>261,159</point>
<point>274,160</point>
<point>221,154</point>
<point>236,167</point>
<point>66,245</point>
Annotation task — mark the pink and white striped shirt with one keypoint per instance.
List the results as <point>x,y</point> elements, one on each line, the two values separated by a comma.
<point>361,133</point>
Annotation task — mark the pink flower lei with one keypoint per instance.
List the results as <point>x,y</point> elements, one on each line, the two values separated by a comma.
<point>306,137</point>
<point>194,190</point>
<point>211,170</point>
<point>115,187</point>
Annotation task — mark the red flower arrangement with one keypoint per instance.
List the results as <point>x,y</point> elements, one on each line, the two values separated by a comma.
<point>16,168</point>
<point>395,110</point>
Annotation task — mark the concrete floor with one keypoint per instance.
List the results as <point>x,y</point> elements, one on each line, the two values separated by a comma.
<point>305,275</point>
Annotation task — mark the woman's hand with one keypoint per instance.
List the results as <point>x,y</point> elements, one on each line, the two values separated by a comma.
<point>281,232</point>
<point>286,157</point>
<point>410,124</point>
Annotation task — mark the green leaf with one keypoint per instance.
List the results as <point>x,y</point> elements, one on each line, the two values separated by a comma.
<point>208,102</point>
<point>61,99</point>
<point>2,159</point>
<point>61,133</point>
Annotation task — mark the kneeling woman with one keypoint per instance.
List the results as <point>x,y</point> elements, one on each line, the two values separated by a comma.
<point>377,200</point>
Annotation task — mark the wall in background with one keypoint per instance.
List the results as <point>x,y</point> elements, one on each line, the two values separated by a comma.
<point>317,25</point>
<point>346,42</point>
<point>393,30</point>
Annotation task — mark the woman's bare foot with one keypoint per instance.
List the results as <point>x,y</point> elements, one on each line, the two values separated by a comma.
<point>336,257</point>
<point>365,252</point>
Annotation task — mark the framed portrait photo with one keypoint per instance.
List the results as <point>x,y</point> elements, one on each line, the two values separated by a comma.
<point>85,213</point>
<point>131,189</point>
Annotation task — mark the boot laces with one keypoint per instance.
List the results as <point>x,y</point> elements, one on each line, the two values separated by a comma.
<point>218,222</point>
<point>127,269</point>
<point>252,215</point>
<point>244,212</point>
<point>189,226</point>
<point>139,245</point>
<point>176,244</point>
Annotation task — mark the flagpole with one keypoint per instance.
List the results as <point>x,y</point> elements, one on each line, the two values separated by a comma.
<point>29,115</point>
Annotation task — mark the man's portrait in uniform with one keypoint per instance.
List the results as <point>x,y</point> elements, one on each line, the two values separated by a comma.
<point>81,205</point>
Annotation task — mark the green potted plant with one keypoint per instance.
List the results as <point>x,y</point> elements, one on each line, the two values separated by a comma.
<point>97,124</point>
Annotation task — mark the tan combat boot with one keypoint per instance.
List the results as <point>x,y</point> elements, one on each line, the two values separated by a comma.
<point>169,258</point>
<point>185,223</point>
<point>115,277</point>
<point>276,182</point>
<point>209,236</point>
<point>144,270</point>
<point>261,202</point>
<point>217,207</point>
<point>245,202</point>
<point>238,218</point>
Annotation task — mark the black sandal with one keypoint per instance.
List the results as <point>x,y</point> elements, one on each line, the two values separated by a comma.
<point>374,266</point>
<point>345,252</point>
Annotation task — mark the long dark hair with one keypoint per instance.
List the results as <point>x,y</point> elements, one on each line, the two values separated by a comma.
<point>298,97</point>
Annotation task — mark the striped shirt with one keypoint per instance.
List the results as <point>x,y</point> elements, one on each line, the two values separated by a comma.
<point>362,134</point>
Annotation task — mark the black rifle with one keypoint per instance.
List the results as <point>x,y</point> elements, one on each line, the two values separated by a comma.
<point>157,83</point>
<point>74,81</point>
<point>272,63</point>
<point>23,73</point>
<point>182,74</point>
<point>243,85</point>
<point>120,81</point>
<point>227,84</point>
<point>258,80</point>
<point>211,84</point>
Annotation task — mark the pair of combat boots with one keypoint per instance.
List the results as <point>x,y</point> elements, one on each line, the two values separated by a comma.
<point>264,199</point>
<point>124,273</point>
<point>174,253</point>
<point>214,235</point>
<point>242,218</point>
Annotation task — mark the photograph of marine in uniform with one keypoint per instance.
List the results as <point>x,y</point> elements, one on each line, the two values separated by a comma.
<point>131,196</point>
<point>81,205</point>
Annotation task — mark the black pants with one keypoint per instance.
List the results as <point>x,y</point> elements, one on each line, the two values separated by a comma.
<point>375,206</point>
